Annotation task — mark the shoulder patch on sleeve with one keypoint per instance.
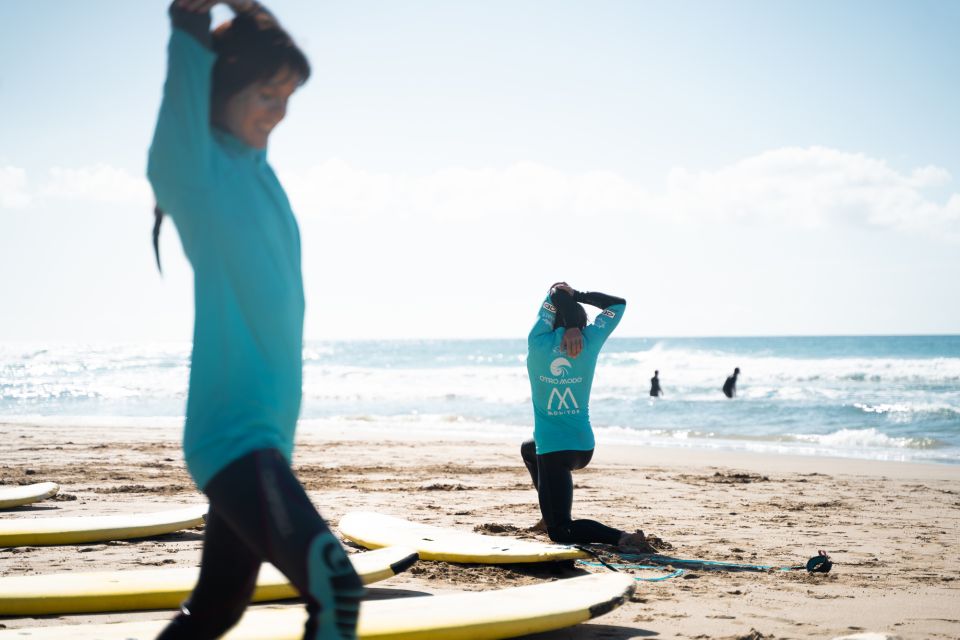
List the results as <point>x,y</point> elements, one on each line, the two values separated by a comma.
<point>609,314</point>
<point>549,307</point>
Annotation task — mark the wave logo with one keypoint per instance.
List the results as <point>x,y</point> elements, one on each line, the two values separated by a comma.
<point>560,367</point>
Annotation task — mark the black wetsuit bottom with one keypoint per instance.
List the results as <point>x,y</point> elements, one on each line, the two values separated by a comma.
<point>259,511</point>
<point>552,475</point>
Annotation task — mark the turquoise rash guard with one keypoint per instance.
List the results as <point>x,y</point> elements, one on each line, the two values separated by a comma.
<point>560,385</point>
<point>240,235</point>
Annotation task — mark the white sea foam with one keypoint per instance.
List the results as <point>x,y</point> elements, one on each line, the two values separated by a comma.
<point>370,385</point>
<point>866,443</point>
<point>689,367</point>
<point>885,407</point>
<point>865,438</point>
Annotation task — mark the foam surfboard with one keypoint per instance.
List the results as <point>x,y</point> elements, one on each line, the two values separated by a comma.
<point>18,532</point>
<point>484,615</point>
<point>375,530</point>
<point>18,496</point>
<point>134,589</point>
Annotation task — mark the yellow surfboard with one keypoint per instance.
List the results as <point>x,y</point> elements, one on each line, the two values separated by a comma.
<point>375,530</point>
<point>18,532</point>
<point>484,615</point>
<point>18,496</point>
<point>133,589</point>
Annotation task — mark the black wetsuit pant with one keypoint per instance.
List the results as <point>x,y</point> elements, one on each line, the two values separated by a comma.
<point>259,511</point>
<point>552,475</point>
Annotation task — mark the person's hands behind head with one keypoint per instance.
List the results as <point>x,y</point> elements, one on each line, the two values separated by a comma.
<point>203,6</point>
<point>572,342</point>
<point>197,6</point>
<point>562,286</point>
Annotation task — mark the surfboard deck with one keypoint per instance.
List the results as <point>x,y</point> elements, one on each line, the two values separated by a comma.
<point>18,532</point>
<point>11,497</point>
<point>375,530</point>
<point>138,589</point>
<point>484,615</point>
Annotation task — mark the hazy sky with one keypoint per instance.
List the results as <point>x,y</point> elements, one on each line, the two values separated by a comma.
<point>731,168</point>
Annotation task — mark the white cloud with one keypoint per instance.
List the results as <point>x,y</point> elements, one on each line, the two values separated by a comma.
<point>13,188</point>
<point>533,190</point>
<point>100,183</point>
<point>812,187</point>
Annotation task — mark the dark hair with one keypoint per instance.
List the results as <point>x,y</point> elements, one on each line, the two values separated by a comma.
<point>579,320</point>
<point>252,47</point>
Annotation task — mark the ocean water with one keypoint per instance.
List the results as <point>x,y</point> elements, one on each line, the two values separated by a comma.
<point>888,398</point>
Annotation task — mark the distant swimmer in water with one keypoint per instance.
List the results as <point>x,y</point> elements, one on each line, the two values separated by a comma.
<point>730,386</point>
<point>655,389</point>
<point>562,352</point>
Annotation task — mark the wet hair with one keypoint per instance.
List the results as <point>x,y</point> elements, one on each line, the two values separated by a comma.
<point>579,320</point>
<point>251,48</point>
<point>736,370</point>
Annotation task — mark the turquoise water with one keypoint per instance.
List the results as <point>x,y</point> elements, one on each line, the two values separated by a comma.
<point>892,398</point>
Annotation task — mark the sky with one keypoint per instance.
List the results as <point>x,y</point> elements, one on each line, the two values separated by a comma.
<point>730,168</point>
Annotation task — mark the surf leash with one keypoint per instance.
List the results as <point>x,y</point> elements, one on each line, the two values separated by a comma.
<point>617,566</point>
<point>820,563</point>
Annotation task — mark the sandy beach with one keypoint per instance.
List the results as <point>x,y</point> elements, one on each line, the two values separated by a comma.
<point>893,529</point>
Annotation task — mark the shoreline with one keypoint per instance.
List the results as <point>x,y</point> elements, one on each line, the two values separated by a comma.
<point>445,430</point>
<point>893,528</point>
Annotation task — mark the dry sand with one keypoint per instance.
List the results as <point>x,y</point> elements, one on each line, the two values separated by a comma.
<point>893,529</point>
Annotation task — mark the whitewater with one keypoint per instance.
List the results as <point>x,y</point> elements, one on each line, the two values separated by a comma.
<point>886,398</point>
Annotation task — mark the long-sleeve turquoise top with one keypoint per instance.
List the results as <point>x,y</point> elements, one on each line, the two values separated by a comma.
<point>240,235</point>
<point>560,385</point>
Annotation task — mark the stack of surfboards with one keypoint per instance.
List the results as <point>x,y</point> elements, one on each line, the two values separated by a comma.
<point>396,544</point>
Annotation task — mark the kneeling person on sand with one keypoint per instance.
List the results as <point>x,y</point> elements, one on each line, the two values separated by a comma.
<point>562,353</point>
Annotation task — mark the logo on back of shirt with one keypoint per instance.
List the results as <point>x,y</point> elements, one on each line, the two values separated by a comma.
<point>609,314</point>
<point>566,402</point>
<point>549,307</point>
<point>560,367</point>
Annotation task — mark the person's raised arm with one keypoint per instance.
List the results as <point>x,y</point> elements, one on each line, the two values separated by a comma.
<point>545,318</point>
<point>610,316</point>
<point>180,150</point>
<point>597,299</point>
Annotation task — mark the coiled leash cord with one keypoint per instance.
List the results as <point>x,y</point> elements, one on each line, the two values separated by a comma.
<point>617,566</point>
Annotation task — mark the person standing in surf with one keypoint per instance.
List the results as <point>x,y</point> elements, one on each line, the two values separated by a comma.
<point>224,93</point>
<point>655,390</point>
<point>730,384</point>
<point>562,352</point>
